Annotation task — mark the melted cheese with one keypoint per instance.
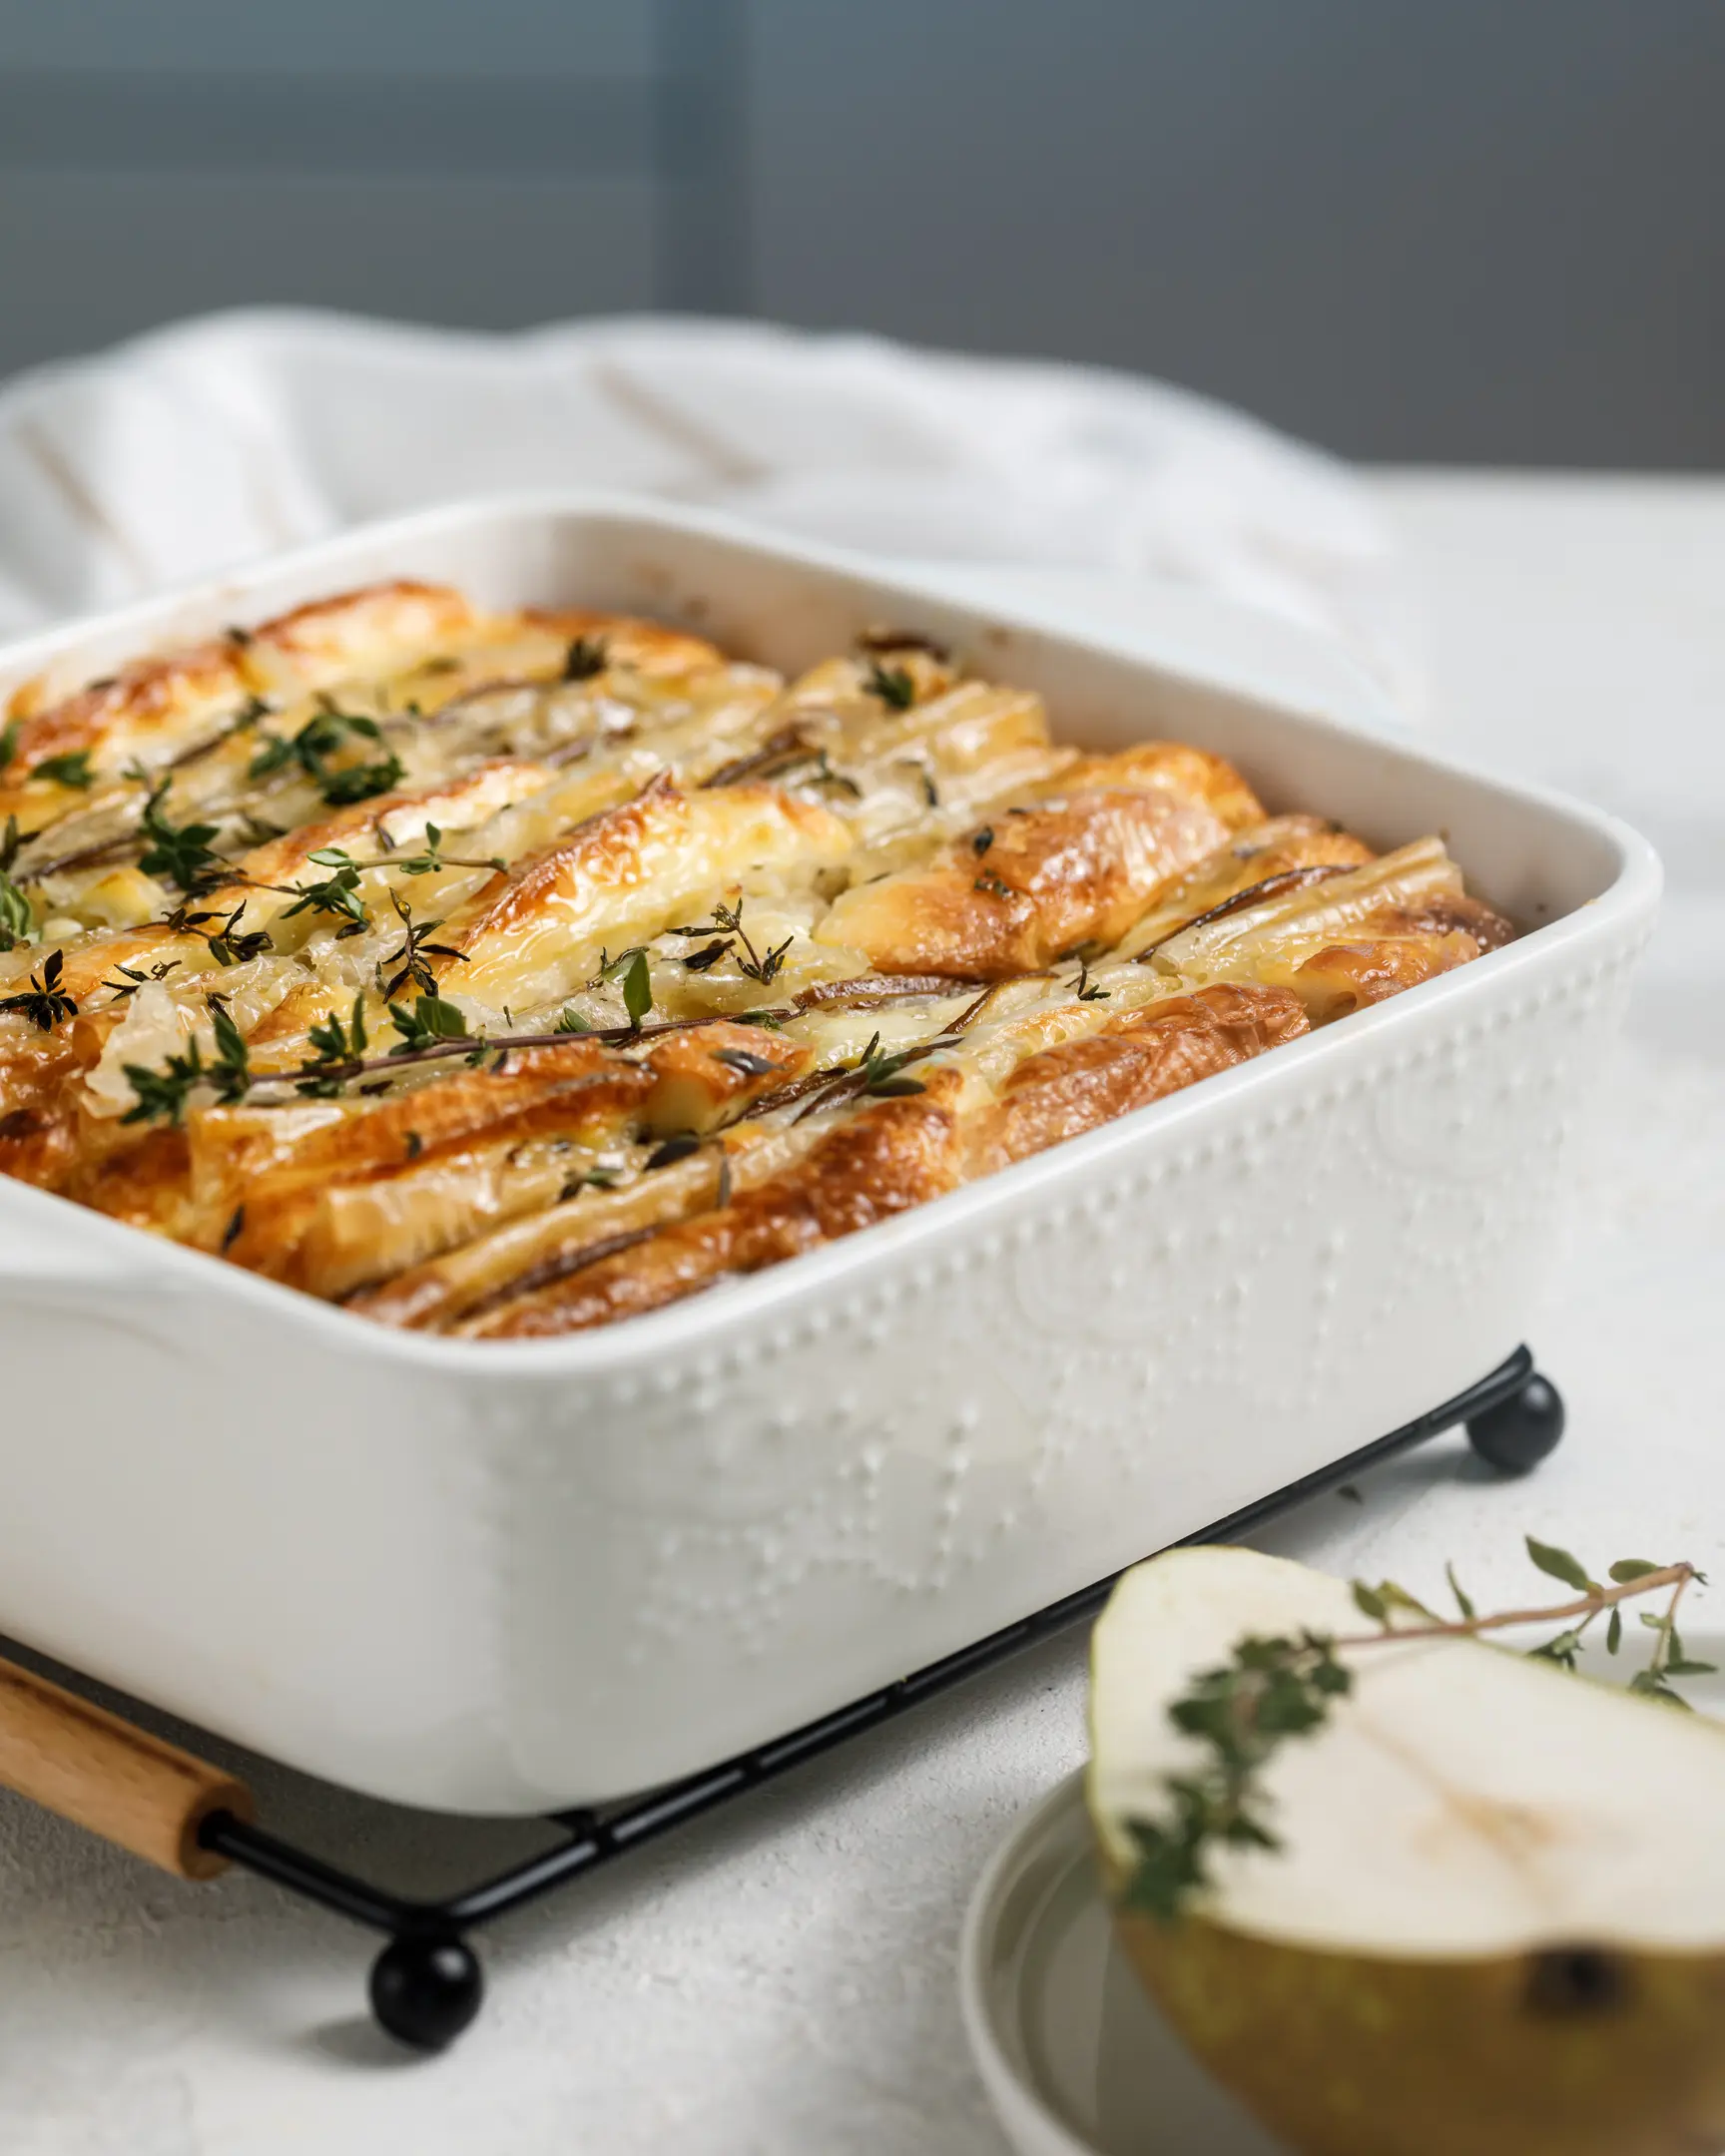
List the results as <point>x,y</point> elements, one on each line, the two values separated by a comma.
<point>742,965</point>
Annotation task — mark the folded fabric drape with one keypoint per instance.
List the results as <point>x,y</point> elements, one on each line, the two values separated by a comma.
<point>217,439</point>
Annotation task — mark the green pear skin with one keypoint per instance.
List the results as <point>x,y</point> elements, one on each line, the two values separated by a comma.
<point>1579,2052</point>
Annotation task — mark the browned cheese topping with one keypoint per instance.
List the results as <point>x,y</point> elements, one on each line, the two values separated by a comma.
<point>506,974</point>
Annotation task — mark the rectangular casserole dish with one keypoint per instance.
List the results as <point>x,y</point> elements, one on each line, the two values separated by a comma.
<point>508,1577</point>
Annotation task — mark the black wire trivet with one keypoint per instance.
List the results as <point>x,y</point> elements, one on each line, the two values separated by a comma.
<point>426,1985</point>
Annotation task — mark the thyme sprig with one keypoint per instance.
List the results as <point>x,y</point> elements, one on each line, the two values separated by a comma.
<point>9,735</point>
<point>413,959</point>
<point>431,1029</point>
<point>431,859</point>
<point>1242,1711</point>
<point>585,657</point>
<point>340,1053</point>
<point>229,945</point>
<point>875,1074</point>
<point>163,1094</point>
<point>364,782</point>
<point>892,684</point>
<point>181,852</point>
<point>336,894</point>
<point>763,967</point>
<point>44,1003</point>
<point>428,1022</point>
<point>324,734</point>
<point>70,770</point>
<point>881,1075</point>
<point>1271,1690</point>
<point>17,920</point>
<point>135,977</point>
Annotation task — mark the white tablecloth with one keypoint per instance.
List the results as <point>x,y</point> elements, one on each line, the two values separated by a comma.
<point>780,1978</point>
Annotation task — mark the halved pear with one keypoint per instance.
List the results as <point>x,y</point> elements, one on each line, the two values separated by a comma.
<point>1496,1925</point>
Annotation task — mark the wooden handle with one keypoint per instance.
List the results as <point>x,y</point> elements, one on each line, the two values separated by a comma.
<point>117,1780</point>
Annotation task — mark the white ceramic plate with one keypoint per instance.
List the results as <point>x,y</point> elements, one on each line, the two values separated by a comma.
<point>1075,2058</point>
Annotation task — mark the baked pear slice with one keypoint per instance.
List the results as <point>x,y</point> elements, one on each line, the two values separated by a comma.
<point>1495,1920</point>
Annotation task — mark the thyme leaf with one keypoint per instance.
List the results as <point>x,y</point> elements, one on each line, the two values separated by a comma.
<point>362,782</point>
<point>892,684</point>
<point>17,921</point>
<point>231,1075</point>
<point>180,852</point>
<point>1560,1564</point>
<point>415,957</point>
<point>747,1062</point>
<point>705,959</point>
<point>45,1003</point>
<point>637,982</point>
<point>431,1019</point>
<point>431,859</point>
<point>70,770</point>
<point>324,736</point>
<point>135,977</point>
<point>584,659</point>
<point>340,1051</point>
<point>228,946</point>
<point>755,965</point>
<point>162,1095</point>
<point>676,1147</point>
<point>337,896</point>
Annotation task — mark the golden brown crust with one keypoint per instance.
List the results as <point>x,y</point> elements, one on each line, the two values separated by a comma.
<point>1456,912</point>
<point>526,1254</point>
<point>902,1152</point>
<point>629,872</point>
<point>1135,1060</point>
<point>1026,888</point>
<point>39,1123</point>
<point>1174,768</point>
<point>275,1157</point>
<point>647,647</point>
<point>141,712</point>
<point>1253,857</point>
<point>1347,977</point>
<point>709,1074</point>
<point>895,1155</point>
<point>723,940</point>
<point>387,624</point>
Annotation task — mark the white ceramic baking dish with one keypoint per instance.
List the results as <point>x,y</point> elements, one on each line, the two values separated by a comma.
<point>505,1577</point>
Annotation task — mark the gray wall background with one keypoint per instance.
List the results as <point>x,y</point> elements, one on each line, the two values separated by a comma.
<point>1484,231</point>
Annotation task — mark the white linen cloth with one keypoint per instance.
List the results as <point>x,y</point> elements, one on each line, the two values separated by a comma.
<point>200,445</point>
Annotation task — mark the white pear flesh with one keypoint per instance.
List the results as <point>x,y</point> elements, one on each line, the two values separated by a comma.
<point>1496,1920</point>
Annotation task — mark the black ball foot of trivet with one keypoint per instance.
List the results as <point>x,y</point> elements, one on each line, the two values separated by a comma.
<point>426,1989</point>
<point>1517,1434</point>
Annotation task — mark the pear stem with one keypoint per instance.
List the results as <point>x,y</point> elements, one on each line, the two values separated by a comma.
<point>1588,1606</point>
